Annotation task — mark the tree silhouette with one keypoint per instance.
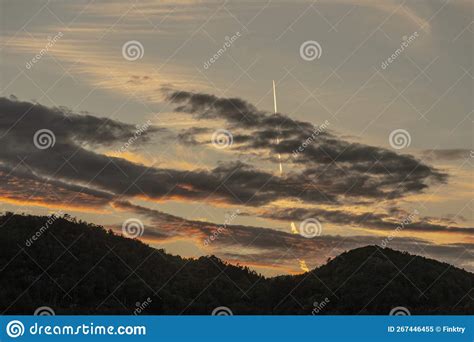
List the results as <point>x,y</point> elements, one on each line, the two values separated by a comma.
<point>80,268</point>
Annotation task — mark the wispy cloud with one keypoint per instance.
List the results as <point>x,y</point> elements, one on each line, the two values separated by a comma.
<point>268,248</point>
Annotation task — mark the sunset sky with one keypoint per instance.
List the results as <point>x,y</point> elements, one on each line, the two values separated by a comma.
<point>185,142</point>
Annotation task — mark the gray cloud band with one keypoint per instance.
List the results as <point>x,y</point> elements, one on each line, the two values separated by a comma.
<point>337,166</point>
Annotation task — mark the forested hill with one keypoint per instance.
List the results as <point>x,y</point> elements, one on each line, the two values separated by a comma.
<point>81,268</point>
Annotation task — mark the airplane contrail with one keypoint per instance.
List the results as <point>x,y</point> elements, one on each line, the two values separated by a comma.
<point>293,227</point>
<point>278,139</point>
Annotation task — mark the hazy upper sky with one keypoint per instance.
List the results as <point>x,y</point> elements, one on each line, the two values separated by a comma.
<point>162,111</point>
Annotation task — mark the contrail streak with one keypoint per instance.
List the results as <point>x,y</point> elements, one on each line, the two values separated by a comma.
<point>278,139</point>
<point>293,227</point>
<point>302,262</point>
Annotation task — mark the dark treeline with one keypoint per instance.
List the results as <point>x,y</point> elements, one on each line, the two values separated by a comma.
<point>76,267</point>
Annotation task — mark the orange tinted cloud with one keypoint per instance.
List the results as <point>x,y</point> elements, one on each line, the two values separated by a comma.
<point>52,205</point>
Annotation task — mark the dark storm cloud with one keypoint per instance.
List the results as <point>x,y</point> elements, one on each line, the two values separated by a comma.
<point>365,220</point>
<point>335,166</point>
<point>20,120</point>
<point>362,172</point>
<point>207,106</point>
<point>77,169</point>
<point>71,161</point>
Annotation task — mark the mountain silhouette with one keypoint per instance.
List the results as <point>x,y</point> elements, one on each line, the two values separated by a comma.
<point>76,267</point>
